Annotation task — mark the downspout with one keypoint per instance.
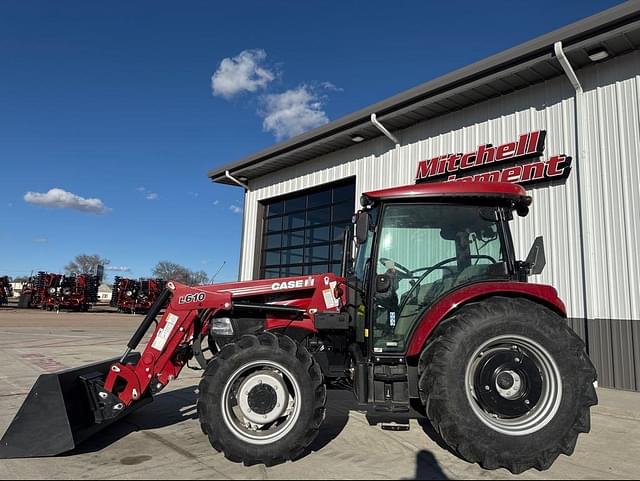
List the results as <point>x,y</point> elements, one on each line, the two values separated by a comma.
<point>235,181</point>
<point>383,129</point>
<point>244,213</point>
<point>581,152</point>
<point>390,136</point>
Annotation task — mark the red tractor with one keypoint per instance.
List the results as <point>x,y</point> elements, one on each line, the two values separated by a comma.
<point>435,310</point>
<point>6,291</point>
<point>136,297</point>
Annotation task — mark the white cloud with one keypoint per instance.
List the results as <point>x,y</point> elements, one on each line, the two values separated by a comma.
<point>243,73</point>
<point>61,199</point>
<point>216,202</point>
<point>292,112</point>
<point>41,240</point>
<point>331,86</point>
<point>235,209</point>
<point>117,269</point>
<point>148,194</point>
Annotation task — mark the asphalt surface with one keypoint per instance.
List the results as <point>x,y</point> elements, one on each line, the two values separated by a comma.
<point>164,440</point>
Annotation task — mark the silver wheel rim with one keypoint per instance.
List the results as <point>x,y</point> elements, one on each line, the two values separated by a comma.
<point>265,427</point>
<point>544,410</point>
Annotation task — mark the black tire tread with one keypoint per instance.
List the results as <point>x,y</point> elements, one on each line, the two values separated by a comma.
<point>434,368</point>
<point>277,343</point>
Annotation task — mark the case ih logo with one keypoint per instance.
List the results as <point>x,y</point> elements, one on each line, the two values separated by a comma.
<point>491,160</point>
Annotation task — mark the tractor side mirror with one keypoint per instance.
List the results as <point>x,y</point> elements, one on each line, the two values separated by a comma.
<point>537,259</point>
<point>383,284</point>
<point>362,227</point>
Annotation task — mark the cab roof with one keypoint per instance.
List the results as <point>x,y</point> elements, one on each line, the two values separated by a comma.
<point>499,191</point>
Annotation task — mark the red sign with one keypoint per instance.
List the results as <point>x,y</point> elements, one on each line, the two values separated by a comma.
<point>518,162</point>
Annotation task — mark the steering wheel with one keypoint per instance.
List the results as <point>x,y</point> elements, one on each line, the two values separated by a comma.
<point>404,272</point>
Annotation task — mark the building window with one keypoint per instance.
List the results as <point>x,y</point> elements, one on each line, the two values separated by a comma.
<point>303,233</point>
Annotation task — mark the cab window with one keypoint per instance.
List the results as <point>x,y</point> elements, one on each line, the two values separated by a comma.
<point>426,251</point>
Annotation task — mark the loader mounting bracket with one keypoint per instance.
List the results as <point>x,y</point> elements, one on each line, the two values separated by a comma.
<point>104,405</point>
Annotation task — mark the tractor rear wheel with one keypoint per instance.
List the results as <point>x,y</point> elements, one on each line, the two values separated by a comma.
<point>262,400</point>
<point>507,384</point>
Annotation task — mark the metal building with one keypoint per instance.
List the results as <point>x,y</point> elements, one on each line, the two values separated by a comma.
<point>560,113</point>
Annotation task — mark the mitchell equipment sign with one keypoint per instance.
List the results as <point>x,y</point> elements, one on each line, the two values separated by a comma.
<point>492,161</point>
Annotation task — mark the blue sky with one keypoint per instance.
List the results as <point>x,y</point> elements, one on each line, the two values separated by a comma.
<point>113,103</point>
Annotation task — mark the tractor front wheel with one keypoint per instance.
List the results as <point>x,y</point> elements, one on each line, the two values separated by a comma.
<point>507,384</point>
<point>262,400</point>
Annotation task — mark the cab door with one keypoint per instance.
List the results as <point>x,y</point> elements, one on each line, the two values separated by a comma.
<point>423,252</point>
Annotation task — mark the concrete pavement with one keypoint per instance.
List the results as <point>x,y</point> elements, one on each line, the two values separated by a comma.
<point>164,441</point>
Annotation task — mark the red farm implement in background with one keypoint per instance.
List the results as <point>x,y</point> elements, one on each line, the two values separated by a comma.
<point>38,289</point>
<point>77,293</point>
<point>136,296</point>
<point>57,292</point>
<point>6,291</point>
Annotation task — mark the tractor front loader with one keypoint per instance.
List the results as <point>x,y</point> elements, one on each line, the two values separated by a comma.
<point>434,310</point>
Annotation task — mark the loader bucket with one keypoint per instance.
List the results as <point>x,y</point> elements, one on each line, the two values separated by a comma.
<point>57,416</point>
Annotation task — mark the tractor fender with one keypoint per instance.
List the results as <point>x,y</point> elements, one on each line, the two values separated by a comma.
<point>540,293</point>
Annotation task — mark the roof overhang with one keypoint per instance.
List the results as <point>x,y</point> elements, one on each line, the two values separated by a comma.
<point>617,30</point>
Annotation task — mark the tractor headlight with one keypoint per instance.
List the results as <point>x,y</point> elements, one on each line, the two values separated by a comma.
<point>52,290</point>
<point>221,326</point>
<point>129,294</point>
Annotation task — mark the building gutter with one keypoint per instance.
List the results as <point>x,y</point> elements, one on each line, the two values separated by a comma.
<point>582,154</point>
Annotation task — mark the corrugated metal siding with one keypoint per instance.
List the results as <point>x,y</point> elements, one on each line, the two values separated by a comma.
<point>612,228</point>
<point>376,165</point>
<point>636,344</point>
<point>600,350</point>
<point>610,188</point>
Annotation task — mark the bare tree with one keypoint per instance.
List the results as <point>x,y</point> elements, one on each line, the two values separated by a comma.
<point>170,271</point>
<point>199,278</point>
<point>86,264</point>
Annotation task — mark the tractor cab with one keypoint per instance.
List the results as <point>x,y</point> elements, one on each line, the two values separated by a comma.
<point>415,246</point>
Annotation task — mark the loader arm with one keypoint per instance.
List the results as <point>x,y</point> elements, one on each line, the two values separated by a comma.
<point>190,308</point>
<point>169,348</point>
